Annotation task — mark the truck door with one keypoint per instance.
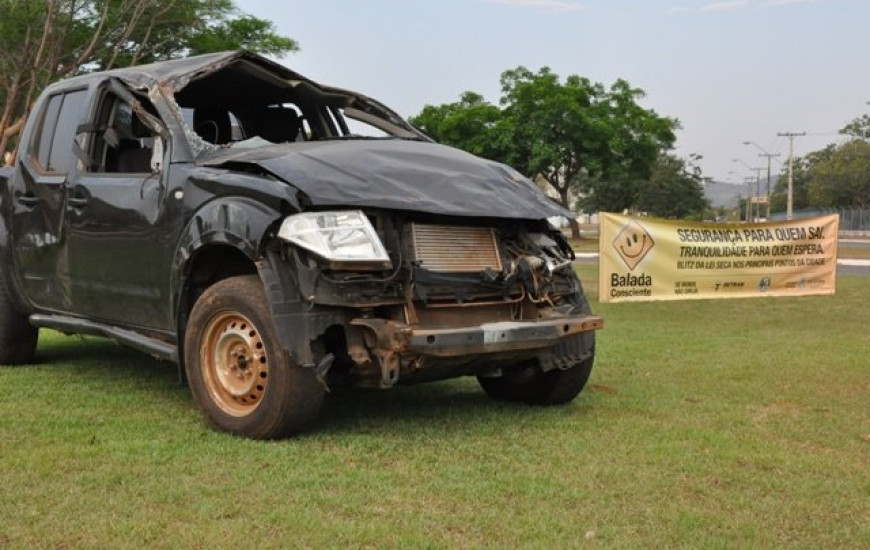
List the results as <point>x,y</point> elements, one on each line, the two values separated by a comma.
<point>39,196</point>
<point>119,255</point>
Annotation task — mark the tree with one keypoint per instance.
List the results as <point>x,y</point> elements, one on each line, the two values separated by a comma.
<point>675,188</point>
<point>801,176</point>
<point>637,138</point>
<point>578,136</point>
<point>472,124</point>
<point>842,179</point>
<point>837,176</point>
<point>45,40</point>
<point>858,127</point>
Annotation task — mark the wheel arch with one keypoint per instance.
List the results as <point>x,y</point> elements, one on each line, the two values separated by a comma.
<point>225,238</point>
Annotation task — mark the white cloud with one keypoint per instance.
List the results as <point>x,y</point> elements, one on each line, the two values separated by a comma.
<point>728,5</point>
<point>724,6</point>
<point>553,5</point>
<point>778,3</point>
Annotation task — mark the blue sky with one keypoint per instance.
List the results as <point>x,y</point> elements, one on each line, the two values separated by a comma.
<point>730,71</point>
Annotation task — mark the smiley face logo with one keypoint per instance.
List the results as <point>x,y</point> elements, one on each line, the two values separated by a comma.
<point>633,243</point>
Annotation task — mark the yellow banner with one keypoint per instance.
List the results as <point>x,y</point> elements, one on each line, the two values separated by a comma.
<point>644,259</point>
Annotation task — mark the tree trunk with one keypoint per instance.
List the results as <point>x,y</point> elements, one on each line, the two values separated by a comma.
<point>563,198</point>
<point>575,227</point>
<point>10,132</point>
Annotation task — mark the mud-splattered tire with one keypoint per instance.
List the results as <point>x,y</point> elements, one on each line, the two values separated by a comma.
<point>529,385</point>
<point>240,376</point>
<point>17,336</point>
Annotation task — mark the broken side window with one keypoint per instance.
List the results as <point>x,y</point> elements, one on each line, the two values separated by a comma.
<point>122,140</point>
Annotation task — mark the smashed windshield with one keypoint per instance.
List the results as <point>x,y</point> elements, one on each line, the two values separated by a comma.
<point>243,104</point>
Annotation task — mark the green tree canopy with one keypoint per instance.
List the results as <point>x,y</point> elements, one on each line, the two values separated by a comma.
<point>675,188</point>
<point>843,178</point>
<point>858,128</point>
<point>801,182</point>
<point>469,124</point>
<point>44,40</point>
<point>837,176</point>
<point>577,135</point>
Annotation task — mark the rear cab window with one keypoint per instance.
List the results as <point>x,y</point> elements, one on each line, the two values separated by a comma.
<point>52,146</point>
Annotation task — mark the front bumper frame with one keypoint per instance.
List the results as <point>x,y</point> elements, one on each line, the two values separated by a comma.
<point>478,339</point>
<point>498,337</point>
<point>391,342</point>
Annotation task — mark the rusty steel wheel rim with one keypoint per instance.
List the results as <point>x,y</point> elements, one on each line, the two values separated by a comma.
<point>234,363</point>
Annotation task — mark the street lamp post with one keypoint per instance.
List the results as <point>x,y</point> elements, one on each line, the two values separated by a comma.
<point>757,185</point>
<point>765,153</point>
<point>748,181</point>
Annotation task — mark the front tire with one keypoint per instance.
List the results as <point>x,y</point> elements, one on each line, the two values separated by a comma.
<point>18,337</point>
<point>528,384</point>
<point>241,377</point>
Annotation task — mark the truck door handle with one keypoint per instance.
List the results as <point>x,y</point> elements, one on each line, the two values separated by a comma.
<point>28,200</point>
<point>75,202</point>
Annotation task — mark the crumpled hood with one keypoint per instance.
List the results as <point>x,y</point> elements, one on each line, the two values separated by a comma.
<point>399,175</point>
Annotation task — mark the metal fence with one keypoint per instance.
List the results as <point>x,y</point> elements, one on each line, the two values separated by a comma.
<point>853,221</point>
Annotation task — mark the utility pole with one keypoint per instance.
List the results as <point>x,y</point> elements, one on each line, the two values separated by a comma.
<point>757,190</point>
<point>767,193</point>
<point>748,198</point>
<point>790,200</point>
<point>765,153</point>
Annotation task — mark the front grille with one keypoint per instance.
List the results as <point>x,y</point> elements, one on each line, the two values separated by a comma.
<point>452,249</point>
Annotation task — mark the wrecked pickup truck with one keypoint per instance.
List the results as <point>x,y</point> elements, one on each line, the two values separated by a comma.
<point>275,237</point>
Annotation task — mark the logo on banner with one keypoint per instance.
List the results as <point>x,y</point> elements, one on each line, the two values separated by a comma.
<point>633,243</point>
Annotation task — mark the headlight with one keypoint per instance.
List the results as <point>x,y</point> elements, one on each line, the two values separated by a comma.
<point>343,236</point>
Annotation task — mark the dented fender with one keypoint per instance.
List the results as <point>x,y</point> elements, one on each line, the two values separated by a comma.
<point>240,223</point>
<point>297,322</point>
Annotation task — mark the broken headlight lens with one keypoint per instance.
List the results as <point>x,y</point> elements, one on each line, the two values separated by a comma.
<point>340,236</point>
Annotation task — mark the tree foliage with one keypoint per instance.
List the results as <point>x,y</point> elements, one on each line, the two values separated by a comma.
<point>469,124</point>
<point>577,135</point>
<point>45,40</point>
<point>837,176</point>
<point>843,178</point>
<point>675,188</point>
<point>857,128</point>
<point>801,177</point>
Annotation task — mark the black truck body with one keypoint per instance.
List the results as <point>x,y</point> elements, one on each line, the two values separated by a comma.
<point>274,236</point>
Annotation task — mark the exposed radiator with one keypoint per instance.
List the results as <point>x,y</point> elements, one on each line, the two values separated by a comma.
<point>452,249</point>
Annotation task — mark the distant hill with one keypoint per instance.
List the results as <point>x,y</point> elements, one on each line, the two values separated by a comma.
<point>725,194</point>
<point>720,193</point>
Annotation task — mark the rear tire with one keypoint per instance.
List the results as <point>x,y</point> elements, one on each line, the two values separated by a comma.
<point>239,374</point>
<point>526,383</point>
<point>18,337</point>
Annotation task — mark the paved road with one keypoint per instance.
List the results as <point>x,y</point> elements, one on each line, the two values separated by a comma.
<point>854,267</point>
<point>863,270</point>
<point>854,243</point>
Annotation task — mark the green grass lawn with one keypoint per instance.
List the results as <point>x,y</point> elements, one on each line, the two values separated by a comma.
<point>707,424</point>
